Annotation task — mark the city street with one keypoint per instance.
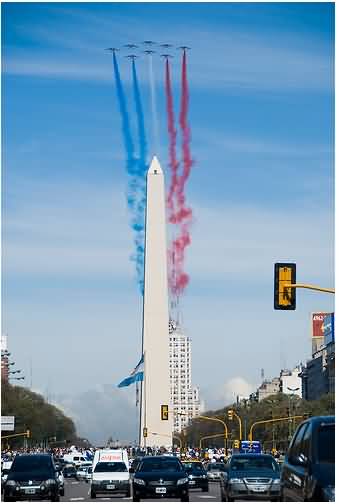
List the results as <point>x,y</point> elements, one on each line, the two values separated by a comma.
<point>77,491</point>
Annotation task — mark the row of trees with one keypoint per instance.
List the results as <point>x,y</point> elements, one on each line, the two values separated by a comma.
<point>275,434</point>
<point>31,411</point>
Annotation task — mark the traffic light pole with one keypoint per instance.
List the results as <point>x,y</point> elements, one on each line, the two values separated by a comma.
<point>250,435</point>
<point>27,434</point>
<point>312,287</point>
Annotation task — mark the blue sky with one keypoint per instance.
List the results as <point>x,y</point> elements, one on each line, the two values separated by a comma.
<point>262,187</point>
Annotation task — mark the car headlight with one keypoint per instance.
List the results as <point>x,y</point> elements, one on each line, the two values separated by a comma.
<point>182,481</point>
<point>49,482</point>
<point>190,476</point>
<point>276,481</point>
<point>204,476</point>
<point>10,483</point>
<point>329,493</point>
<point>209,474</point>
<point>138,481</point>
<point>235,480</point>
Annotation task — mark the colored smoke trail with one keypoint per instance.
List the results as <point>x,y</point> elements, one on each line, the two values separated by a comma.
<point>133,169</point>
<point>174,165</point>
<point>153,105</point>
<point>139,216</point>
<point>179,213</point>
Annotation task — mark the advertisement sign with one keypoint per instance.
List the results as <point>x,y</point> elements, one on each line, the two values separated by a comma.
<point>329,328</point>
<point>318,324</point>
<point>7,423</point>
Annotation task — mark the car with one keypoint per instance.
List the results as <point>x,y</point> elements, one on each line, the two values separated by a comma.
<point>134,464</point>
<point>6,465</point>
<point>69,471</point>
<point>32,477</point>
<point>251,476</point>
<point>89,474</point>
<point>110,473</point>
<point>82,471</point>
<point>308,469</point>
<point>214,470</point>
<point>61,480</point>
<point>197,474</point>
<point>160,476</point>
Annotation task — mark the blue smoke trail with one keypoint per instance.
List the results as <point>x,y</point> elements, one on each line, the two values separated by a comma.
<point>141,175</point>
<point>136,170</point>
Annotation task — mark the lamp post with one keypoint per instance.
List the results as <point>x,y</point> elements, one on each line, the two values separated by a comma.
<point>292,390</point>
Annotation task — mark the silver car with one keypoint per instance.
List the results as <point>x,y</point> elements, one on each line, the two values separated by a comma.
<point>215,470</point>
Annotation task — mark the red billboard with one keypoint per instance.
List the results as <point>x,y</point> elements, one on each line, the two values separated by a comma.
<point>318,324</point>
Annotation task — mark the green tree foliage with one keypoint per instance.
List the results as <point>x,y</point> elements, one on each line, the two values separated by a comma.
<point>31,411</point>
<point>273,407</point>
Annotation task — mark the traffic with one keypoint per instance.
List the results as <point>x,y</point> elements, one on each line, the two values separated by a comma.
<point>304,473</point>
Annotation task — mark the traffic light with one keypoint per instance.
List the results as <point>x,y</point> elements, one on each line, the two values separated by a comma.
<point>164,412</point>
<point>284,297</point>
<point>236,444</point>
<point>230,414</point>
<point>144,432</point>
<point>28,433</point>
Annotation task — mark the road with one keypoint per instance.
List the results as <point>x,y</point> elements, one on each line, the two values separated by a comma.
<point>78,491</point>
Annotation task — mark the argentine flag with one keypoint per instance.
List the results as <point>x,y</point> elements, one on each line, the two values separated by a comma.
<point>136,375</point>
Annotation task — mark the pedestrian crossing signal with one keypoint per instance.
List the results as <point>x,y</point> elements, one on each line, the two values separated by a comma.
<point>284,296</point>
<point>144,432</point>
<point>164,412</point>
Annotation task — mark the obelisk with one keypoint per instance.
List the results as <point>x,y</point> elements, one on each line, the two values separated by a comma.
<point>156,384</point>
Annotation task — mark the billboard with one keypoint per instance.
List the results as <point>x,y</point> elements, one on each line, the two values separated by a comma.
<point>318,324</point>
<point>329,328</point>
<point>7,423</point>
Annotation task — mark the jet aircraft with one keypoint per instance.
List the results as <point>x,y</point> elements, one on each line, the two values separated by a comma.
<point>149,51</point>
<point>166,56</point>
<point>166,46</point>
<point>113,49</point>
<point>184,47</point>
<point>131,56</point>
<point>148,42</point>
<point>131,46</point>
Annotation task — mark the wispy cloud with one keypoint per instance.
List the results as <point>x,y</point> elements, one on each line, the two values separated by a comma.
<point>220,59</point>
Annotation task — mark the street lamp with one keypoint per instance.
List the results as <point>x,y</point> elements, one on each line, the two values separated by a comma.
<point>292,390</point>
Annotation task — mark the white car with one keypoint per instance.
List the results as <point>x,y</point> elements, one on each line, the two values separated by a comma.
<point>82,471</point>
<point>4,471</point>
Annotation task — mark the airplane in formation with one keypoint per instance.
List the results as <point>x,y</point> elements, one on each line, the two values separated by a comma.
<point>166,46</point>
<point>112,49</point>
<point>131,56</point>
<point>149,42</point>
<point>166,56</point>
<point>131,46</point>
<point>149,51</point>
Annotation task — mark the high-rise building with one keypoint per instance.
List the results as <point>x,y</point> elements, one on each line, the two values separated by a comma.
<point>184,398</point>
<point>4,359</point>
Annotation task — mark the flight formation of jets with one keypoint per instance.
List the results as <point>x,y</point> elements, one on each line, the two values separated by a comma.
<point>147,48</point>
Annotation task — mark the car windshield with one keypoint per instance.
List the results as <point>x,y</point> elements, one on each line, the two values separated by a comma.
<point>110,467</point>
<point>216,467</point>
<point>193,467</point>
<point>160,465</point>
<point>250,463</point>
<point>326,444</point>
<point>31,463</point>
<point>5,471</point>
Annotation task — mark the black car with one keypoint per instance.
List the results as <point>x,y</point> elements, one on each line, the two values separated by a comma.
<point>160,476</point>
<point>70,471</point>
<point>197,475</point>
<point>307,473</point>
<point>32,477</point>
<point>252,476</point>
<point>135,464</point>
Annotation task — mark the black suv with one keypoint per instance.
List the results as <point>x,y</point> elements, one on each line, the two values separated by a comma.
<point>32,477</point>
<point>307,473</point>
<point>161,476</point>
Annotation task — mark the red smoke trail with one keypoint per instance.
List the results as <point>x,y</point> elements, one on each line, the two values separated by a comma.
<point>179,213</point>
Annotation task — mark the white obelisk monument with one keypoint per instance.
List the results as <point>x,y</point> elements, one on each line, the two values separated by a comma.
<point>156,384</point>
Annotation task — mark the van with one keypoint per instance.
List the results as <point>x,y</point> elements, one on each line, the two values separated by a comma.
<point>75,458</point>
<point>110,473</point>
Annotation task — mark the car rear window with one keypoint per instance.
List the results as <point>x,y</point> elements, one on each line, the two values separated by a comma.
<point>326,444</point>
<point>245,464</point>
<point>110,467</point>
<point>216,467</point>
<point>160,465</point>
<point>31,463</point>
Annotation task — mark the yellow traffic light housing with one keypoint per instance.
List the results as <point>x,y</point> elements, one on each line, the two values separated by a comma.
<point>284,296</point>
<point>230,415</point>
<point>28,433</point>
<point>164,412</point>
<point>144,432</point>
<point>236,444</point>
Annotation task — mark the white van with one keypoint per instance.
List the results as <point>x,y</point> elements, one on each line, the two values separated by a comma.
<point>75,458</point>
<point>110,473</point>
